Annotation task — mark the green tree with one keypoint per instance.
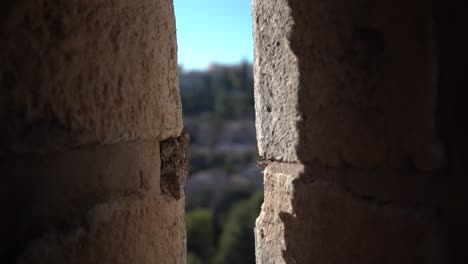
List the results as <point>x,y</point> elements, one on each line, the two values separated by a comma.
<point>222,103</point>
<point>200,234</point>
<point>193,259</point>
<point>237,243</point>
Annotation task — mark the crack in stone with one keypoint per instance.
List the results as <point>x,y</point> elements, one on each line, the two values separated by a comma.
<point>337,184</point>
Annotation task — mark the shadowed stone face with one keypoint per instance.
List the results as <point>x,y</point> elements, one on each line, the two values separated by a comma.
<point>89,89</point>
<point>345,83</point>
<point>345,101</point>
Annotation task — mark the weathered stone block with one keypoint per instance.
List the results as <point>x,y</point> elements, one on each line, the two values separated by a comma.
<point>88,91</point>
<point>147,229</point>
<point>87,72</point>
<point>348,84</point>
<point>305,221</point>
<point>100,204</point>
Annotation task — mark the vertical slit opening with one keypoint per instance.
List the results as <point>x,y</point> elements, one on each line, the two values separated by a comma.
<point>224,189</point>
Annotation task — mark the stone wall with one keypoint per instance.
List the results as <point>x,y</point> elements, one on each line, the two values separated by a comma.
<point>359,117</point>
<point>89,91</point>
<point>349,119</point>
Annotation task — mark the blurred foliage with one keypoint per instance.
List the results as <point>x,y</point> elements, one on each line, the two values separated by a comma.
<point>199,160</point>
<point>196,100</point>
<point>193,259</point>
<point>200,234</point>
<point>237,243</point>
<point>223,208</point>
<point>226,92</point>
<point>217,105</point>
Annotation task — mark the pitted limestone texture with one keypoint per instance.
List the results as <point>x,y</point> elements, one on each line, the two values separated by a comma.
<point>318,221</point>
<point>348,84</point>
<point>345,99</point>
<point>89,89</point>
<point>143,229</point>
<point>87,72</point>
<point>44,192</point>
<point>174,166</point>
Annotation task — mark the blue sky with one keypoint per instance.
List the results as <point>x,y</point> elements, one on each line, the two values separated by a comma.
<point>213,31</point>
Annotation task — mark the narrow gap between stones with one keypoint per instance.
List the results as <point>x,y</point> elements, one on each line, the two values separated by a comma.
<point>224,188</point>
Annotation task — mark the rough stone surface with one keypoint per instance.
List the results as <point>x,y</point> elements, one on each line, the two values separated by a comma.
<point>85,72</point>
<point>276,81</point>
<point>174,166</point>
<point>98,203</point>
<point>88,91</point>
<point>316,221</point>
<point>360,131</point>
<point>42,192</point>
<point>134,229</point>
<point>348,84</point>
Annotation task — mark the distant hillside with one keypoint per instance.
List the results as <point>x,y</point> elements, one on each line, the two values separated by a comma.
<point>225,91</point>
